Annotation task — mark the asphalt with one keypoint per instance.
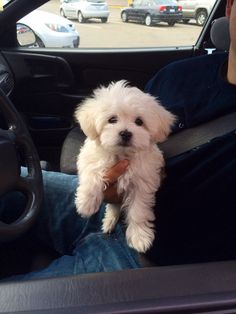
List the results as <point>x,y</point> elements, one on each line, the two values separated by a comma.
<point>119,3</point>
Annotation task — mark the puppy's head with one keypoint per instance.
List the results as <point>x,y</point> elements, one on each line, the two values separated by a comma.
<point>122,117</point>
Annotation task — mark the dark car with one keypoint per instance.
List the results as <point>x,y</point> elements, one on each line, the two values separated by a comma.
<point>153,11</point>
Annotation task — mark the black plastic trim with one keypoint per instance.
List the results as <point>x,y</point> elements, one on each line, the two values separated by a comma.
<point>173,289</point>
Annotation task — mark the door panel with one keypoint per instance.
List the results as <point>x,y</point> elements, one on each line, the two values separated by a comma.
<point>49,85</point>
<point>39,72</point>
<point>72,75</point>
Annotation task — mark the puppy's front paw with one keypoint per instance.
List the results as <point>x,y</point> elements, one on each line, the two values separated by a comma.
<point>86,206</point>
<point>140,236</point>
<point>111,217</point>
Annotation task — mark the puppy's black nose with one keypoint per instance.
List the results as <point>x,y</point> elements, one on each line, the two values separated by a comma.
<point>125,135</point>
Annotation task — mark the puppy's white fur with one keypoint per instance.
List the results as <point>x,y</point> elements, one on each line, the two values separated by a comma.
<point>103,117</point>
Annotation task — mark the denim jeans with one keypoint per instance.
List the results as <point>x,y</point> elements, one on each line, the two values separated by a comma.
<point>79,241</point>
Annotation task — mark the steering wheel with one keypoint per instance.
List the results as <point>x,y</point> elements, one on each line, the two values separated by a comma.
<point>15,142</point>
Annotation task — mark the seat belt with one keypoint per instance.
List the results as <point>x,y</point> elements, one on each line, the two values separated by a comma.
<point>193,137</point>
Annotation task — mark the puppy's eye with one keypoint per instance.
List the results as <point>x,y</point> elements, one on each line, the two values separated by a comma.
<point>139,121</point>
<point>112,120</point>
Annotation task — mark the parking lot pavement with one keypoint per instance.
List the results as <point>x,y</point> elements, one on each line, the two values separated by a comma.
<point>116,34</point>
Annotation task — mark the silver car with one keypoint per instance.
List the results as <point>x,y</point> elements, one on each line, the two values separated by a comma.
<point>84,10</point>
<point>51,30</point>
<point>196,9</point>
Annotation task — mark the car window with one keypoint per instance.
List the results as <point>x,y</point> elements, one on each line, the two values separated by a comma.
<point>146,3</point>
<point>3,3</point>
<point>109,24</point>
<point>137,3</point>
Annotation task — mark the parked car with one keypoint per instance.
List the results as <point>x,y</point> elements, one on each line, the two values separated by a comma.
<point>197,10</point>
<point>153,11</point>
<point>85,9</point>
<point>51,30</point>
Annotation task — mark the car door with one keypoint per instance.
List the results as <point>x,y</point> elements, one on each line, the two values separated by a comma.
<point>49,83</point>
<point>75,7</point>
<point>144,9</point>
<point>189,7</point>
<point>134,10</point>
<point>68,5</point>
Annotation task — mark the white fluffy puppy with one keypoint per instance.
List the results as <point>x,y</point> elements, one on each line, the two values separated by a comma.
<point>122,122</point>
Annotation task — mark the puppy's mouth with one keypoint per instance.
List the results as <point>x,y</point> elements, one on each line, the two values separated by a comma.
<point>125,144</point>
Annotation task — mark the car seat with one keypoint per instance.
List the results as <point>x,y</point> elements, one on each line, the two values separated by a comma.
<point>220,39</point>
<point>220,33</point>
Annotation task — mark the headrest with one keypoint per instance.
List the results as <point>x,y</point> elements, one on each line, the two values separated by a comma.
<point>220,33</point>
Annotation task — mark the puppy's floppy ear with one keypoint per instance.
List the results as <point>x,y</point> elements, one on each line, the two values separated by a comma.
<point>161,121</point>
<point>85,114</point>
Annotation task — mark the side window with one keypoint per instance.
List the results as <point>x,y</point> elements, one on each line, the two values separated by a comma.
<point>137,3</point>
<point>146,3</point>
<point>151,3</point>
<point>113,24</point>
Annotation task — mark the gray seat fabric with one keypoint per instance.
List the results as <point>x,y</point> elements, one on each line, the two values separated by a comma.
<point>220,39</point>
<point>220,33</point>
<point>70,150</point>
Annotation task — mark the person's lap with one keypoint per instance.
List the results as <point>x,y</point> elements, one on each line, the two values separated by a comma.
<point>195,210</point>
<point>79,241</point>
